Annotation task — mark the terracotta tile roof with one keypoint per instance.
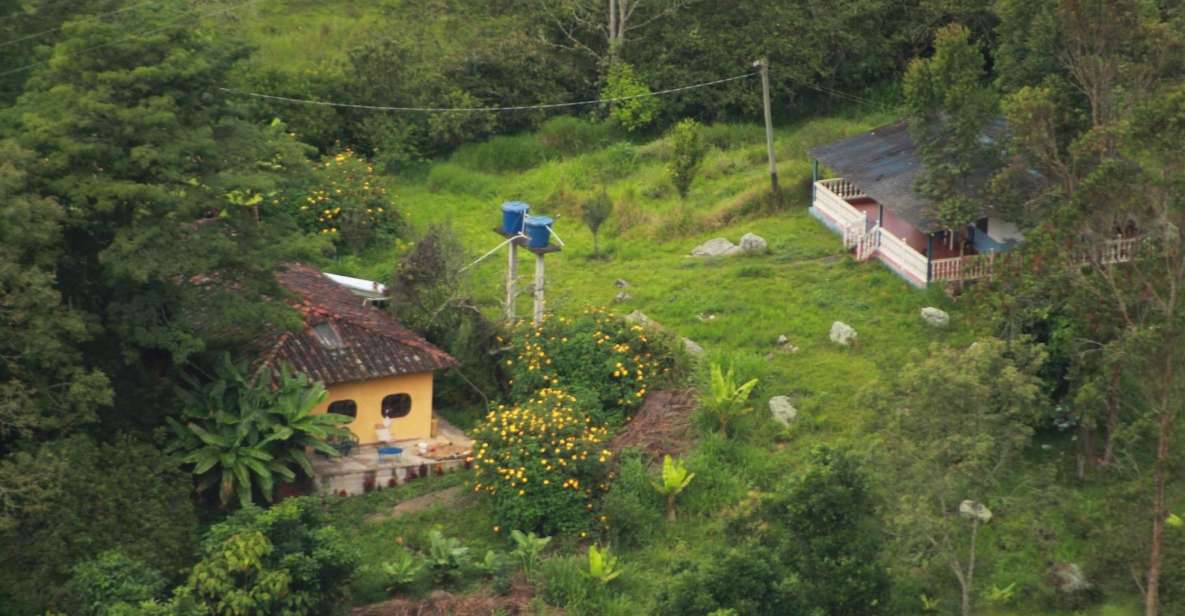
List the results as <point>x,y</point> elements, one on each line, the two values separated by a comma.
<point>343,339</point>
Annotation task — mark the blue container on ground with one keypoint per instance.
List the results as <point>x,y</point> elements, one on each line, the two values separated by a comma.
<point>538,234</point>
<point>512,216</point>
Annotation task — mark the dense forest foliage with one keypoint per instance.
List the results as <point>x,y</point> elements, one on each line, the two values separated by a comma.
<point>146,202</point>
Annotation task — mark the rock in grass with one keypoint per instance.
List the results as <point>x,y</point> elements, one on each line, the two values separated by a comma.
<point>622,297</point>
<point>716,247</point>
<point>753,244</point>
<point>782,410</point>
<point>935,317</point>
<point>621,283</point>
<point>693,348</point>
<point>640,318</point>
<point>842,334</point>
<point>1068,578</point>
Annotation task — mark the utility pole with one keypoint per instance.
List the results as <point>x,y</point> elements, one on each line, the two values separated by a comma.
<point>511,278</point>
<point>540,282</point>
<point>763,65</point>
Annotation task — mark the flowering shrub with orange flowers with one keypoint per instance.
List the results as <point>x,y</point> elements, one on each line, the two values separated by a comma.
<point>602,359</point>
<point>348,203</point>
<point>544,463</point>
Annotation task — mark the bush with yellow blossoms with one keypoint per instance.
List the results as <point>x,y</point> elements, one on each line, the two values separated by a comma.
<point>348,203</point>
<point>605,361</point>
<point>544,464</point>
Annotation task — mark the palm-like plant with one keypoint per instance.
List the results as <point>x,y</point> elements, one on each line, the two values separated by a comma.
<point>675,479</point>
<point>602,564</point>
<point>241,433</point>
<point>726,399</point>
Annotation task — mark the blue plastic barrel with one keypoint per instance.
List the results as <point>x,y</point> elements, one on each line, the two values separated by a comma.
<point>538,234</point>
<point>512,216</point>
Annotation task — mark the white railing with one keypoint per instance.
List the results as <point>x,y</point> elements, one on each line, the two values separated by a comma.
<point>852,222</point>
<point>844,189</point>
<point>853,231</point>
<point>898,253</point>
<point>967,267</point>
<point>868,244</point>
<point>1119,251</point>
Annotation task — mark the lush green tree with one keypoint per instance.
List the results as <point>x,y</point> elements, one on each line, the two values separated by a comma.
<point>826,532</point>
<point>640,109</point>
<point>960,421</point>
<point>162,184</point>
<point>283,560</point>
<point>46,386</point>
<point>74,499</point>
<point>950,106</point>
<point>246,430</point>
<point>689,149</point>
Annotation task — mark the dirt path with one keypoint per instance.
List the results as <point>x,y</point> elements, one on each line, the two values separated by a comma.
<point>447,496</point>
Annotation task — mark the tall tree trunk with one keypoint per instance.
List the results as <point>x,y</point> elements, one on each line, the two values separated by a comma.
<point>1112,415</point>
<point>970,570</point>
<point>1167,414</point>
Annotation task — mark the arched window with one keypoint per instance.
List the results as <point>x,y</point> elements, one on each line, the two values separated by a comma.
<point>344,407</point>
<point>396,406</point>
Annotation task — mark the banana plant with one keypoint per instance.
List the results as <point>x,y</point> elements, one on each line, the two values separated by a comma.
<point>242,434</point>
<point>602,565</point>
<point>402,572</point>
<point>675,479</point>
<point>527,547</point>
<point>727,400</point>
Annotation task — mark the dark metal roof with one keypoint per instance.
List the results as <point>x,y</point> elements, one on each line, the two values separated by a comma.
<point>372,344</point>
<point>884,164</point>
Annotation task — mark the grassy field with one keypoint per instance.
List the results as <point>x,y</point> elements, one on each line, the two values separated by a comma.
<point>734,307</point>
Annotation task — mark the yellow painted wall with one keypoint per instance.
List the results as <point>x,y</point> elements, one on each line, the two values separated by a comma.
<point>368,395</point>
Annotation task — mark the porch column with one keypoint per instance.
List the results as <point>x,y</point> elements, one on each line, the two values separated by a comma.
<point>814,178</point>
<point>929,255</point>
<point>880,219</point>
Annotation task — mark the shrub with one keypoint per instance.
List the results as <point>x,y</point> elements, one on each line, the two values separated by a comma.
<point>635,113</point>
<point>631,509</point>
<point>604,360</point>
<point>744,578</point>
<point>569,135</point>
<point>543,463</point>
<point>282,560</point>
<point>83,498</point>
<point>100,584</point>
<point>349,202</point>
<point>689,151</point>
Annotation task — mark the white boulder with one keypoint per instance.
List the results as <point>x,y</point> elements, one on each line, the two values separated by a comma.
<point>843,334</point>
<point>935,317</point>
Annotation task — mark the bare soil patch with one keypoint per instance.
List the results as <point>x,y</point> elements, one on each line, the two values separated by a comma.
<point>662,426</point>
<point>447,496</point>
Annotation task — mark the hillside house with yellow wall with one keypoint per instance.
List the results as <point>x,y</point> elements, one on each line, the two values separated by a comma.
<point>375,370</point>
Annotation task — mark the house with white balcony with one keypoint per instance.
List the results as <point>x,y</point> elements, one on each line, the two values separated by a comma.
<point>873,205</point>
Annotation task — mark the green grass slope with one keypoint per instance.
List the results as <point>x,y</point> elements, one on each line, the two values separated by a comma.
<point>734,307</point>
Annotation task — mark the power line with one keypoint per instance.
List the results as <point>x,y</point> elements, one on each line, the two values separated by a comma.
<point>99,16</point>
<point>133,36</point>
<point>303,101</point>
